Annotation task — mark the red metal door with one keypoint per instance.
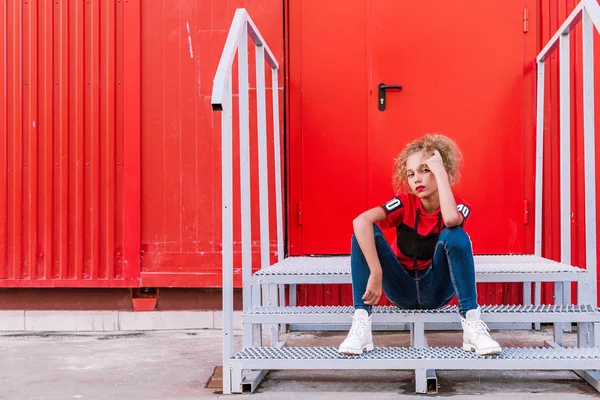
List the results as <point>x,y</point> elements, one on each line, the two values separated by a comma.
<point>462,71</point>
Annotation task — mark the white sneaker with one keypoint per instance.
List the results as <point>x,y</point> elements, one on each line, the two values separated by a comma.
<point>475,334</point>
<point>360,337</point>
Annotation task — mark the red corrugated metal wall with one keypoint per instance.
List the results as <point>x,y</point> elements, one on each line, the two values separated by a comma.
<point>181,141</point>
<point>69,143</point>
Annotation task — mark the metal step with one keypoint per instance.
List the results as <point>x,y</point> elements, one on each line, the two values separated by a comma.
<point>390,315</point>
<point>410,358</point>
<point>488,268</point>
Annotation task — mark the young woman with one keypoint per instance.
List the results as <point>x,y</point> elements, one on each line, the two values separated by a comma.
<point>431,258</point>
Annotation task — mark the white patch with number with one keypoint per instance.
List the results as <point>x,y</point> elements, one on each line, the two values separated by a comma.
<point>392,205</point>
<point>464,210</point>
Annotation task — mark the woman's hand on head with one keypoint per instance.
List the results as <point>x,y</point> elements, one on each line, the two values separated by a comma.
<point>435,163</point>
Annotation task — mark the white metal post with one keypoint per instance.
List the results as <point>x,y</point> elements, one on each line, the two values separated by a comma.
<point>292,295</point>
<point>565,163</point>
<point>585,331</point>
<point>539,181</point>
<point>539,158</point>
<point>263,181</point>
<point>527,293</point>
<point>277,169</point>
<point>589,158</point>
<point>558,297</point>
<point>537,299</point>
<point>256,301</point>
<point>565,150</point>
<point>227,220</point>
<point>268,293</point>
<point>246,223</point>
<point>277,158</point>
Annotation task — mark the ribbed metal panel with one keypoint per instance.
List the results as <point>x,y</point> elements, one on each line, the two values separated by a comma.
<point>69,148</point>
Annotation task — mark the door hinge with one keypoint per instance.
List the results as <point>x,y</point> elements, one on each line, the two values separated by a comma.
<point>300,213</point>
<point>525,20</point>
<point>525,212</point>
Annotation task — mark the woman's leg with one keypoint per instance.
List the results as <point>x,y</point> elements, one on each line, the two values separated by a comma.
<point>453,270</point>
<point>398,286</point>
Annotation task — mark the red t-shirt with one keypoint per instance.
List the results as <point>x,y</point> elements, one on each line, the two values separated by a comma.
<point>417,232</point>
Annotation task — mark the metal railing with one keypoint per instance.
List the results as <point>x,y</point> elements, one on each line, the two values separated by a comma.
<point>242,26</point>
<point>587,11</point>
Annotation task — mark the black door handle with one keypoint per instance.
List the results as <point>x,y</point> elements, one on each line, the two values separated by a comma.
<point>382,87</point>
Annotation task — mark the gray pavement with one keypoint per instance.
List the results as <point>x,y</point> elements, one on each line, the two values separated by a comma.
<point>177,365</point>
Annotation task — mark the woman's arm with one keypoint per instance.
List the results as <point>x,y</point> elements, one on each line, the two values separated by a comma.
<point>363,230</point>
<point>450,214</point>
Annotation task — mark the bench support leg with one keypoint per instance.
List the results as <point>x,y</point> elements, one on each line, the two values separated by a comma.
<point>425,379</point>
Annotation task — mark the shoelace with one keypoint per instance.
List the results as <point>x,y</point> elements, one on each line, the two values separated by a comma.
<point>358,326</point>
<point>479,326</point>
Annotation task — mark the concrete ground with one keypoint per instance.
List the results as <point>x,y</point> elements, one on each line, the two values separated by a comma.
<point>178,364</point>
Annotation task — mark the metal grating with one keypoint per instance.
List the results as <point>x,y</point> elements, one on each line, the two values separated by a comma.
<point>411,353</point>
<point>309,266</point>
<point>496,309</point>
<point>483,265</point>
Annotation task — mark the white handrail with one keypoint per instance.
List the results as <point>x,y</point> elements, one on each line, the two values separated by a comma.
<point>241,20</point>
<point>593,10</point>
<point>571,21</point>
<point>587,11</point>
<point>242,26</point>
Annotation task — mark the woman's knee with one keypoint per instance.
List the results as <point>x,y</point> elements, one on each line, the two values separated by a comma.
<point>455,237</point>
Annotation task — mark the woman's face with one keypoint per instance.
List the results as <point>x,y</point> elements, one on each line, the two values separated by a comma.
<point>420,179</point>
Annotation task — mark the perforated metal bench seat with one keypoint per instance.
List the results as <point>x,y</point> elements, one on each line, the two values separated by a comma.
<point>410,358</point>
<point>390,314</point>
<point>488,268</point>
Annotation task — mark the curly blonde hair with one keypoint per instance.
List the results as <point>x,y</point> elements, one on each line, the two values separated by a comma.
<point>449,151</point>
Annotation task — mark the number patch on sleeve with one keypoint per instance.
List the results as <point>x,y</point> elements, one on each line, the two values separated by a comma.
<point>392,205</point>
<point>464,210</point>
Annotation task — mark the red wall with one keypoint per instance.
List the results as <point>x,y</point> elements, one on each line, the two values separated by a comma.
<point>181,137</point>
<point>45,229</point>
<point>69,148</point>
